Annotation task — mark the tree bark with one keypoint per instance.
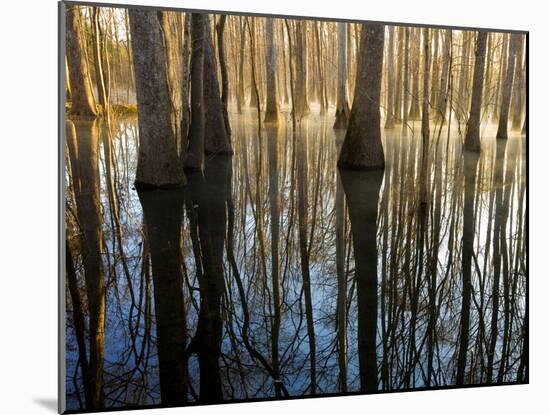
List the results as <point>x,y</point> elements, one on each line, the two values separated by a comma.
<point>442,102</point>
<point>220,30</point>
<point>158,165</point>
<point>390,78</point>
<point>82,96</point>
<point>362,147</point>
<point>507,88</point>
<point>518,87</point>
<point>271,107</point>
<point>194,158</point>
<point>472,140</point>
<point>185,105</point>
<point>342,106</point>
<point>216,134</point>
<point>414,113</point>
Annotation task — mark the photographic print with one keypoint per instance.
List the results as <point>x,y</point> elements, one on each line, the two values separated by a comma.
<point>262,207</point>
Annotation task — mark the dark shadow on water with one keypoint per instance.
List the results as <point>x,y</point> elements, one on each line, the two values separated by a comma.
<point>49,403</point>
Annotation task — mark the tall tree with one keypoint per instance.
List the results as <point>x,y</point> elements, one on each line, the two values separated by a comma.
<point>517,96</point>
<point>194,158</point>
<point>390,78</point>
<point>425,116</point>
<point>362,147</point>
<point>271,106</point>
<point>186,76</point>
<point>445,73</point>
<point>472,140</point>
<point>216,129</point>
<point>220,31</point>
<point>158,165</point>
<point>82,96</point>
<point>399,77</point>
<point>342,107</point>
<point>171,51</point>
<point>302,106</point>
<point>414,113</point>
<point>502,131</point>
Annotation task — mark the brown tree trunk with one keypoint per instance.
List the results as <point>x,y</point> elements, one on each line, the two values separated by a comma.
<point>397,111</point>
<point>362,147</point>
<point>171,51</point>
<point>301,103</point>
<point>220,29</point>
<point>342,107</point>
<point>414,113</point>
<point>194,158</point>
<point>390,78</point>
<point>185,86</point>
<point>507,88</point>
<point>271,106</point>
<point>158,165</point>
<point>424,179</point>
<point>216,134</point>
<point>442,102</point>
<point>518,87</point>
<point>472,140</point>
<point>82,96</point>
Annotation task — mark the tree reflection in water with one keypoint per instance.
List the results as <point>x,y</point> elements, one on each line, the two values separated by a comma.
<point>224,289</point>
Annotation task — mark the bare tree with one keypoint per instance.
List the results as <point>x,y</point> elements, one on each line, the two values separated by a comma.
<point>472,140</point>
<point>362,147</point>
<point>342,107</point>
<point>82,96</point>
<point>158,165</point>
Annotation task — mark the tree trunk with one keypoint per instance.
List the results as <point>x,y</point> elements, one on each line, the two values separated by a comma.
<point>100,77</point>
<point>435,69</point>
<point>271,106</point>
<point>472,140</point>
<point>174,86</point>
<point>406,92</point>
<point>507,88</point>
<point>362,147</point>
<point>414,113</point>
<point>194,159</point>
<point>342,107</point>
<point>82,96</point>
<point>301,103</point>
<point>216,134</point>
<point>220,29</point>
<point>390,79</point>
<point>424,179</point>
<point>442,102</point>
<point>399,78</point>
<point>185,86</point>
<point>158,165</point>
<point>518,87</point>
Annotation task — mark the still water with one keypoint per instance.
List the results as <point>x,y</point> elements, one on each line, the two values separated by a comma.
<point>274,274</point>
